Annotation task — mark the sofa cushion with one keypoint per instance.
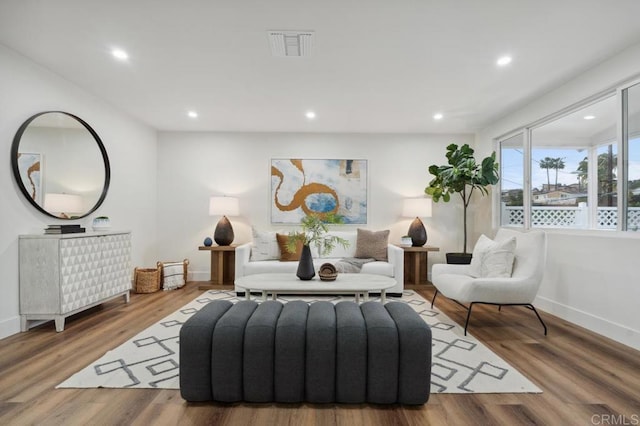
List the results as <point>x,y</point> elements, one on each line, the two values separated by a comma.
<point>285,255</point>
<point>265,245</point>
<point>270,266</point>
<point>378,268</point>
<point>372,244</point>
<point>342,252</point>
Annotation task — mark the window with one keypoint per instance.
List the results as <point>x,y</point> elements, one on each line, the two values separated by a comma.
<point>572,170</point>
<point>631,132</point>
<point>512,178</point>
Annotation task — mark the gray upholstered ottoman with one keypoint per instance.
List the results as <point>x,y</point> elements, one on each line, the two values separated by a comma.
<point>295,352</point>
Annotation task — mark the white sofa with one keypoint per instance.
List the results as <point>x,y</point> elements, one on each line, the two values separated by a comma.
<point>394,267</point>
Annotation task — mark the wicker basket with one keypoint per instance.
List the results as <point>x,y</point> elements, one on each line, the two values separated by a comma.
<point>146,280</point>
<point>328,272</point>
<point>173,282</point>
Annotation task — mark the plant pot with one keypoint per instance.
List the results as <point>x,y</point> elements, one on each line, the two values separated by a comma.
<point>306,271</point>
<point>459,258</point>
<point>101,223</point>
<point>406,241</point>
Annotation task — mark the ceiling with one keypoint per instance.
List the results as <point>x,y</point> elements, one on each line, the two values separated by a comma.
<point>376,65</point>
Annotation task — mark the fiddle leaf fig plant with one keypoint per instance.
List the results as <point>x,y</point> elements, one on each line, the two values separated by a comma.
<point>462,175</point>
<point>314,231</point>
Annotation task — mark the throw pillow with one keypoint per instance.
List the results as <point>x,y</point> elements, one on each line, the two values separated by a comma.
<point>492,259</point>
<point>265,245</point>
<point>370,244</point>
<point>285,256</point>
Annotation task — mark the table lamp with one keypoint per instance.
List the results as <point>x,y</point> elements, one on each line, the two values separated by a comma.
<point>418,207</point>
<point>65,205</point>
<point>223,206</point>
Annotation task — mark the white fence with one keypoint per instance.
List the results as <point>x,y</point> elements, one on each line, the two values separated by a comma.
<point>569,217</point>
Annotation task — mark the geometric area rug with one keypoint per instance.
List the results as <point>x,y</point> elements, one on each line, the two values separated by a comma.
<point>460,364</point>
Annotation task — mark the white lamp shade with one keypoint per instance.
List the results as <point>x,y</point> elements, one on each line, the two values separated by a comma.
<point>63,203</point>
<point>224,206</point>
<point>417,207</point>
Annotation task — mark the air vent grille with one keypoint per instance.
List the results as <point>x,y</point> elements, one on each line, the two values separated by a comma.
<point>290,43</point>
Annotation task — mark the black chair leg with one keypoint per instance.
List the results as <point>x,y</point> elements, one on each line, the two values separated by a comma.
<point>539,318</point>
<point>434,298</point>
<point>466,324</point>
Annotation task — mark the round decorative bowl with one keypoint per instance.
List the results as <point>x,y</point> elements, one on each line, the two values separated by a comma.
<point>101,224</point>
<point>327,272</point>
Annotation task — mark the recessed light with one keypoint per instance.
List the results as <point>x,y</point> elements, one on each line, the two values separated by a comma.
<point>438,116</point>
<point>310,115</point>
<point>120,54</point>
<point>504,60</point>
<point>589,117</point>
<point>192,114</point>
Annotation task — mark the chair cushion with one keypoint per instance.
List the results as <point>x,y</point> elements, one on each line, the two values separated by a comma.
<point>456,286</point>
<point>492,259</point>
<point>372,244</point>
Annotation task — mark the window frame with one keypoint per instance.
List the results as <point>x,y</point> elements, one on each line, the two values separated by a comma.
<point>620,93</point>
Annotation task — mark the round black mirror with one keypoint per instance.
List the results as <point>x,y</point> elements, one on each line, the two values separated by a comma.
<point>60,165</point>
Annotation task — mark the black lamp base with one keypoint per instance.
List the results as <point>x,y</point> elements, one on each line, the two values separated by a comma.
<point>223,235</point>
<point>417,233</point>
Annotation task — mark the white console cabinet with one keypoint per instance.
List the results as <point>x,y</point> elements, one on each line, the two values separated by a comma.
<point>61,275</point>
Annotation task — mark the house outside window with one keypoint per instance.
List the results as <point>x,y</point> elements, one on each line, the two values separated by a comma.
<point>570,163</point>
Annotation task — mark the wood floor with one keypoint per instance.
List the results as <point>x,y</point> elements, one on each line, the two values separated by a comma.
<point>586,379</point>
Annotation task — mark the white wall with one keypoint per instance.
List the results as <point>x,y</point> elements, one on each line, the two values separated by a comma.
<point>194,166</point>
<point>591,277</point>
<point>26,89</point>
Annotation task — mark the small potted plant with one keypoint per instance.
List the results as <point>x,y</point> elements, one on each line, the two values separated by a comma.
<point>314,231</point>
<point>406,240</point>
<point>462,175</point>
<point>100,223</point>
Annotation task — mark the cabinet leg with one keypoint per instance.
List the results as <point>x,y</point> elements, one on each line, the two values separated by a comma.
<point>59,323</point>
<point>127,297</point>
<point>24,323</point>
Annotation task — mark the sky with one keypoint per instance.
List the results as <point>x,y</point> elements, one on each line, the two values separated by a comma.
<point>512,166</point>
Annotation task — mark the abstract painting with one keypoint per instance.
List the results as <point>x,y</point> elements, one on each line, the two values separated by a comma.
<point>301,187</point>
<point>30,168</point>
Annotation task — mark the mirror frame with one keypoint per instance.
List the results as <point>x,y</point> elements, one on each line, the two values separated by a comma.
<point>16,172</point>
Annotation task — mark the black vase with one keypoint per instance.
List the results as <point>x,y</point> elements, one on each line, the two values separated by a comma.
<point>306,271</point>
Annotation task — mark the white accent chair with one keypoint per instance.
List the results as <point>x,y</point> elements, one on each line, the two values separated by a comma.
<point>454,281</point>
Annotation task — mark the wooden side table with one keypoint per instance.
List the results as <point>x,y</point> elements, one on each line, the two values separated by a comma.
<point>223,264</point>
<point>415,264</point>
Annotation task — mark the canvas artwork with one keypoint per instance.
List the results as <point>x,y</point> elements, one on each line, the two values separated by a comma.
<point>300,187</point>
<point>30,167</point>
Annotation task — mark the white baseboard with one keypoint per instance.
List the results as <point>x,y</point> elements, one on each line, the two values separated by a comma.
<point>199,275</point>
<point>9,327</point>
<point>618,332</point>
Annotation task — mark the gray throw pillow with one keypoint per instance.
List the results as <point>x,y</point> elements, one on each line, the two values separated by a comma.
<point>372,244</point>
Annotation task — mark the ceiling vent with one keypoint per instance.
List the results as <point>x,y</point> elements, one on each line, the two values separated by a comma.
<point>290,43</point>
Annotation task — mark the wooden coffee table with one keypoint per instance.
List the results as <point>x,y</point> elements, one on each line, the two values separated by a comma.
<point>358,284</point>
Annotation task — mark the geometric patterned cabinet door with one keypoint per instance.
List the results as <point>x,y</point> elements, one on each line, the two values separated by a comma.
<point>116,264</point>
<point>61,275</point>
